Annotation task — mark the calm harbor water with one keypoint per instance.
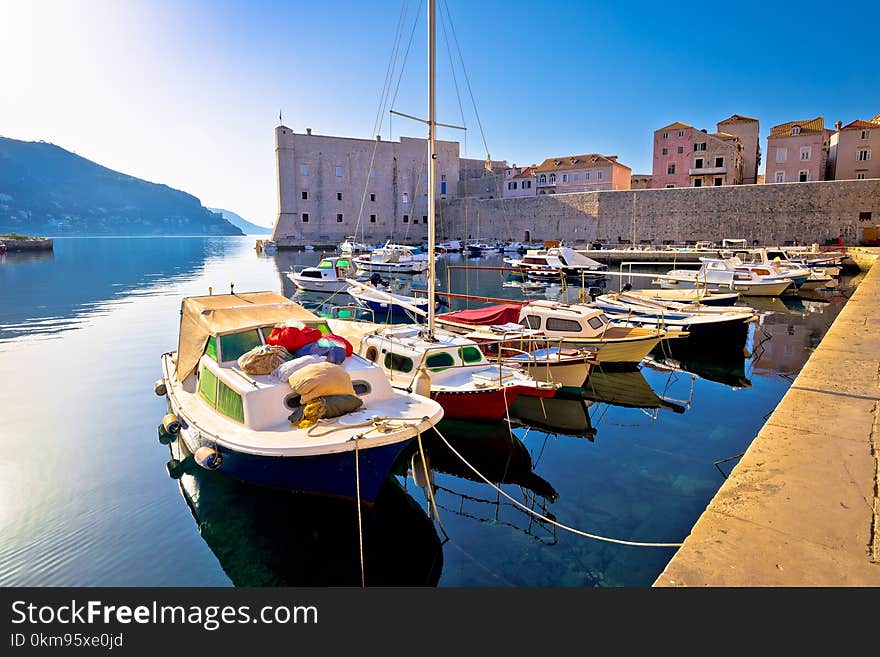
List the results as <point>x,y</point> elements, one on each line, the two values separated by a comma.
<point>85,498</point>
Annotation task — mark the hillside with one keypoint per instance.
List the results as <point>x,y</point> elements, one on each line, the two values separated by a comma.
<point>241,223</point>
<point>46,190</point>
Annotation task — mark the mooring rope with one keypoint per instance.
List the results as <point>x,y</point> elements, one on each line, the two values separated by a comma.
<point>544,518</point>
<point>357,482</point>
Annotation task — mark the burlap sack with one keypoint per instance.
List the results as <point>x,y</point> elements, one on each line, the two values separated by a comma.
<point>320,380</point>
<point>263,359</point>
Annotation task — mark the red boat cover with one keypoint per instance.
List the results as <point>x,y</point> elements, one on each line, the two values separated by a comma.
<point>500,314</point>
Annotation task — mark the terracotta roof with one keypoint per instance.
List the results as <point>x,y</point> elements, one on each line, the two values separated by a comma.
<point>527,172</point>
<point>876,119</point>
<point>808,126</point>
<point>576,162</point>
<point>737,117</point>
<point>860,125</point>
<point>674,126</point>
<point>724,135</point>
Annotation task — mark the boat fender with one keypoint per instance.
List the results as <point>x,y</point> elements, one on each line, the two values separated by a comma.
<point>165,438</point>
<point>159,388</point>
<point>208,457</point>
<point>419,466</point>
<point>170,423</point>
<point>422,383</point>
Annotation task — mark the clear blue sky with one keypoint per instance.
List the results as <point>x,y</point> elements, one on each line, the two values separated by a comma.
<point>187,92</point>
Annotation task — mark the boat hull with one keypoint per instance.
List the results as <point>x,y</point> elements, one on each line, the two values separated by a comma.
<point>566,374</point>
<point>485,404</point>
<point>414,267</point>
<point>316,285</point>
<point>327,474</point>
<point>620,352</point>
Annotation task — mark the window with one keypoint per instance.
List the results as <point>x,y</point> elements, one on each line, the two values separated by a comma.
<point>781,154</point>
<point>398,362</point>
<point>698,182</point>
<point>527,184</point>
<point>598,175</point>
<point>796,130</point>
<point>372,218</point>
<point>863,155</point>
<point>471,354</point>
<point>405,198</point>
<point>681,133</point>
<point>406,218</point>
<point>439,361</point>
<point>866,134</point>
<point>531,321</point>
<point>208,386</point>
<point>665,151</point>
<point>305,217</point>
<point>305,196</point>
<point>406,175</point>
<point>780,176</point>
<point>235,344</point>
<point>425,198</point>
<point>700,147</point>
<point>665,135</point>
<point>415,221</point>
<point>211,348</point>
<point>509,185</point>
<point>229,402</point>
<point>718,182</point>
<point>552,178</point>
<point>424,218</point>
<point>373,198</point>
<point>339,172</point>
<point>719,161</point>
<point>303,169</point>
<point>670,186</point>
<point>670,168</point>
<point>514,184</point>
<point>567,325</point>
<point>860,175</point>
<point>698,163</point>
<point>864,216</point>
<point>338,217</point>
<point>805,153</point>
<point>803,176</point>
<point>542,179</point>
<point>338,196</point>
<point>587,176</point>
<point>564,178</point>
<point>443,177</point>
<point>596,322</point>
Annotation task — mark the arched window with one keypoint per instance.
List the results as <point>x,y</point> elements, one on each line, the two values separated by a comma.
<point>552,178</point>
<point>542,179</point>
<point>796,130</point>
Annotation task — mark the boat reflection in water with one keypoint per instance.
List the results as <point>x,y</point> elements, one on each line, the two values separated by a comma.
<point>496,452</point>
<point>725,364</point>
<point>567,413</point>
<point>628,389</point>
<point>270,537</point>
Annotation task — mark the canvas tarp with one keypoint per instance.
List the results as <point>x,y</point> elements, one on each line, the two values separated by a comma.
<point>500,314</point>
<point>219,314</point>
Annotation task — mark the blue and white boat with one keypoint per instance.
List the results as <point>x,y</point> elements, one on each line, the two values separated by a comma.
<point>383,305</point>
<point>238,424</point>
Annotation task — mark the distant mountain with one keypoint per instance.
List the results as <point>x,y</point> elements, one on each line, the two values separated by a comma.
<point>243,224</point>
<point>46,190</point>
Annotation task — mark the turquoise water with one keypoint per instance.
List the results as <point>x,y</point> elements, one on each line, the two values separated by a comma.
<point>85,498</point>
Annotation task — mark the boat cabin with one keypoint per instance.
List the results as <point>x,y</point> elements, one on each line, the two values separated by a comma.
<point>330,268</point>
<point>563,320</point>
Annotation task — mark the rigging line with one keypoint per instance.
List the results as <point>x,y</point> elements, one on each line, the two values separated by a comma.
<point>380,111</point>
<point>406,53</point>
<point>466,78</point>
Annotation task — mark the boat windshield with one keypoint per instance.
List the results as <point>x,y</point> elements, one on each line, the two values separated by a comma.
<point>325,264</point>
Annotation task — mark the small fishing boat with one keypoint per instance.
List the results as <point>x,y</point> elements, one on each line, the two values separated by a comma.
<point>327,276</point>
<point>352,247</point>
<point>478,248</point>
<point>689,295</point>
<point>387,307</point>
<point>393,258</point>
<point>239,424</point>
<point>558,261</point>
<point>449,246</point>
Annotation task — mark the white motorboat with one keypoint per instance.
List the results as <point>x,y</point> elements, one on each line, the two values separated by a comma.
<point>352,247</point>
<point>394,258</point>
<point>327,276</point>
<point>726,274</point>
<point>449,246</point>
<point>550,264</point>
<point>240,424</point>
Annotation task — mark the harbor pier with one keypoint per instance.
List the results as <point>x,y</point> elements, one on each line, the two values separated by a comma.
<point>801,508</point>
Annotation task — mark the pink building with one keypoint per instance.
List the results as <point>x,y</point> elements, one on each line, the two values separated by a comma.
<point>519,181</point>
<point>854,151</point>
<point>797,151</point>
<point>687,157</point>
<point>582,173</point>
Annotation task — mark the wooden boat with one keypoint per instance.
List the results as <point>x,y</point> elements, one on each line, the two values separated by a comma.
<point>238,423</point>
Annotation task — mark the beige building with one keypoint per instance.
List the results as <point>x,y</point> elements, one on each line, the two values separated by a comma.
<point>854,151</point>
<point>716,160</point>
<point>640,181</point>
<point>797,151</point>
<point>747,129</point>
<point>519,181</point>
<point>581,173</point>
<point>325,183</point>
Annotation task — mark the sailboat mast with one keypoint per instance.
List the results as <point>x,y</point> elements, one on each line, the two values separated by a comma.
<point>432,160</point>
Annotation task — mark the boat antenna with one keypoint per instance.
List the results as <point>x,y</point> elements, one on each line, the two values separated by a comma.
<point>432,160</point>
